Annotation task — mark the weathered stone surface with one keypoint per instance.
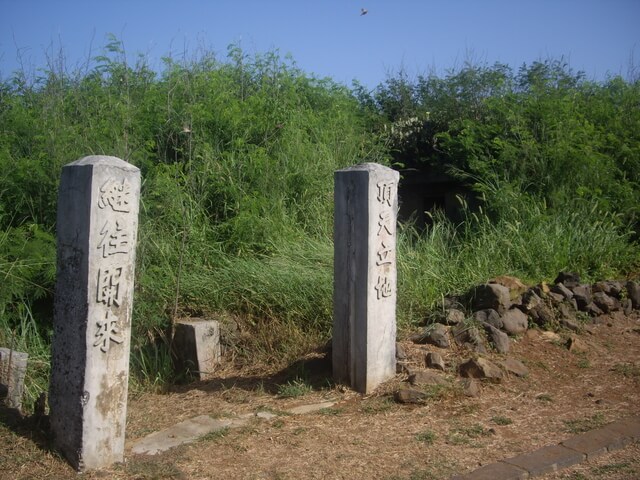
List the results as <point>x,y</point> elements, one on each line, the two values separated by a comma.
<point>595,442</point>
<point>410,395</point>
<point>454,316</point>
<point>480,368</point>
<point>436,334</point>
<point>492,296</point>
<point>499,339</point>
<point>582,296</point>
<point>633,292</point>
<point>184,432</point>
<point>476,340</point>
<point>514,284</point>
<point>495,471</point>
<point>516,367</point>
<point>13,367</point>
<point>364,327</point>
<point>555,298</point>
<point>568,317</point>
<point>514,322</point>
<point>401,354</point>
<point>562,290</point>
<point>609,287</point>
<point>434,360</point>
<point>315,407</point>
<point>96,238</point>
<point>627,306</point>
<point>627,428</point>
<point>196,345</point>
<point>530,300</point>
<point>605,302</point>
<point>542,315</point>
<point>489,316</point>
<point>469,336</point>
<point>546,459</point>
<point>403,367</point>
<point>568,279</point>
<point>593,310</point>
<point>426,377</point>
<point>470,387</point>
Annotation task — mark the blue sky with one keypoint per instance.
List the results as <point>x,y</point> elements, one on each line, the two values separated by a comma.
<point>330,37</point>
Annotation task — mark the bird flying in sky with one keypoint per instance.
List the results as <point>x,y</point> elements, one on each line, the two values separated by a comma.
<point>363,11</point>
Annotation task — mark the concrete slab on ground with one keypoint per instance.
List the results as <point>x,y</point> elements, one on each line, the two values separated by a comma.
<point>183,432</point>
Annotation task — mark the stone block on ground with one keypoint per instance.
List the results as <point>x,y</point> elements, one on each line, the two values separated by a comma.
<point>596,442</point>
<point>514,284</point>
<point>480,368</point>
<point>490,295</point>
<point>530,300</point>
<point>436,334</point>
<point>609,287</point>
<point>593,310</point>
<point>196,346</point>
<point>454,316</point>
<point>582,296</point>
<point>546,460</point>
<point>605,302</point>
<point>315,407</point>
<point>514,321</point>
<point>498,338</point>
<point>489,316</point>
<point>562,290</point>
<point>434,360</point>
<point>13,368</point>
<point>633,292</point>
<point>187,431</point>
<point>568,279</point>
<point>495,471</point>
<point>427,377</point>
<point>411,395</point>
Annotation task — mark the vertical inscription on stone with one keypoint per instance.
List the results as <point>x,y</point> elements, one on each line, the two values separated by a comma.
<point>386,244</point>
<point>97,230</point>
<point>364,328</point>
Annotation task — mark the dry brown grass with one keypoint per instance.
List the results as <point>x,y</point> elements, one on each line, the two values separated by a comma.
<point>372,436</point>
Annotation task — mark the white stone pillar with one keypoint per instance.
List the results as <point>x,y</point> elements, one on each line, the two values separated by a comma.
<point>97,227</point>
<point>364,321</point>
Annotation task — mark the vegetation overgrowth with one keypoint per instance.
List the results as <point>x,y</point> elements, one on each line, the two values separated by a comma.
<point>237,157</point>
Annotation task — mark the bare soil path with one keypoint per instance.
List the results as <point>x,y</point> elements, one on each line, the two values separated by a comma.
<point>373,436</point>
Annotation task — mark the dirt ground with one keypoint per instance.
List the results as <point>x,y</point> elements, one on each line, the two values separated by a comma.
<point>372,436</point>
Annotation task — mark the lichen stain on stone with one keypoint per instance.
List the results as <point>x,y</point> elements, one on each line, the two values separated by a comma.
<point>110,398</point>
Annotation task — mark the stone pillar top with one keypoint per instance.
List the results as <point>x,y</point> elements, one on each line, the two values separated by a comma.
<point>369,167</point>
<point>104,160</point>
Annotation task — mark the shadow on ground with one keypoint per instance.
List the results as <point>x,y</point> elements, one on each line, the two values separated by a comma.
<point>314,371</point>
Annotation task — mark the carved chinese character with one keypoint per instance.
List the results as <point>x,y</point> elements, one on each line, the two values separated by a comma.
<point>385,192</point>
<point>115,194</point>
<point>114,240</point>
<point>383,287</point>
<point>385,223</point>
<point>108,332</point>
<point>109,286</point>
<point>385,255</point>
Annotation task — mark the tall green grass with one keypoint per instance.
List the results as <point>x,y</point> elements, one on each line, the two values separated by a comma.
<point>237,157</point>
<point>525,239</point>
